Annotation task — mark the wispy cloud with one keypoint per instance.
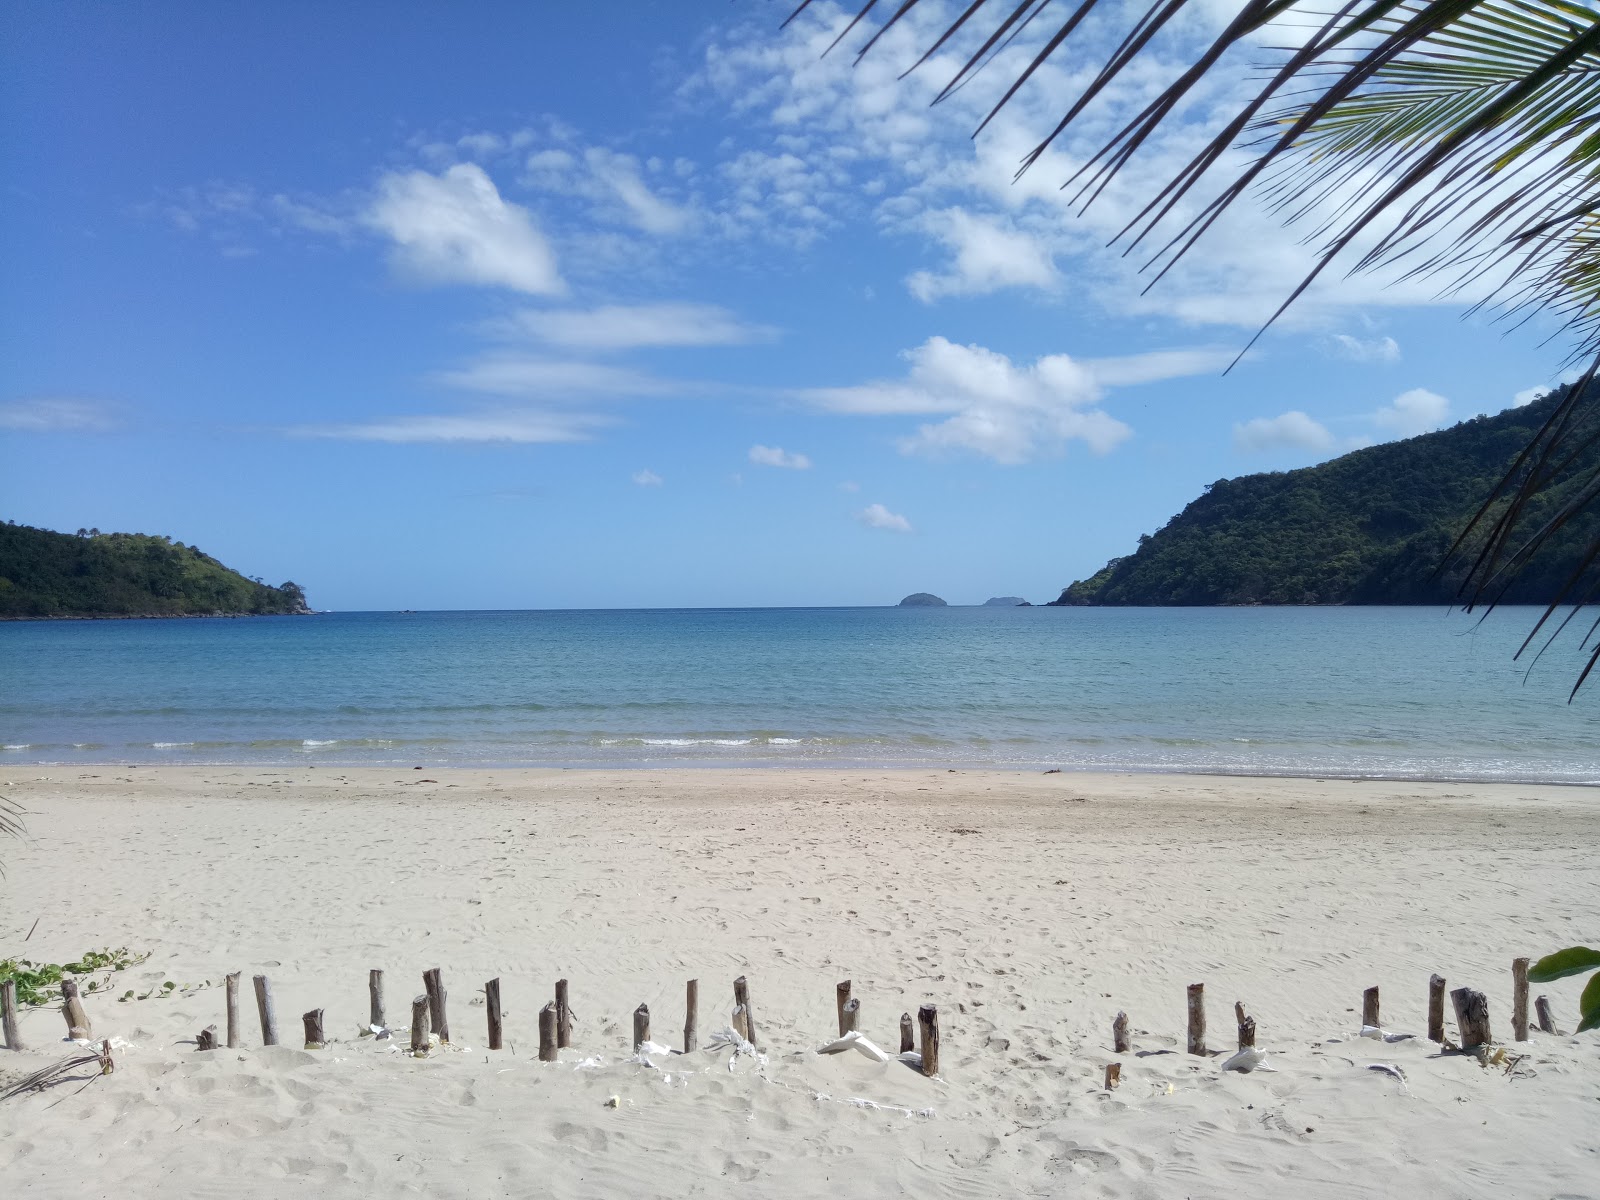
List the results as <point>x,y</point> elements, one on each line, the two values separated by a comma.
<point>52,414</point>
<point>876,516</point>
<point>456,228</point>
<point>647,478</point>
<point>510,426</point>
<point>1364,350</point>
<point>987,257</point>
<point>1290,430</point>
<point>776,456</point>
<point>632,326</point>
<point>552,379</point>
<point>1005,411</point>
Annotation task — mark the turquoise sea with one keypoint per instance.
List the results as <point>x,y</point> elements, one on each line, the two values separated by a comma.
<point>1406,693</point>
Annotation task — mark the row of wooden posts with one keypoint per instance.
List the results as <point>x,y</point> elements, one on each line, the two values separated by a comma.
<point>429,1017</point>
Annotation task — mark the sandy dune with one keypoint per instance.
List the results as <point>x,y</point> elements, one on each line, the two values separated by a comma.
<point>1029,908</point>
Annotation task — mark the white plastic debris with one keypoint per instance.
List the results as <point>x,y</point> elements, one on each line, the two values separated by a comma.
<point>1249,1060</point>
<point>1389,1069</point>
<point>855,1041</point>
<point>1378,1034</point>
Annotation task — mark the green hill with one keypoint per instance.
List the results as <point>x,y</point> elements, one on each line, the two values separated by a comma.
<point>1369,527</point>
<point>47,574</point>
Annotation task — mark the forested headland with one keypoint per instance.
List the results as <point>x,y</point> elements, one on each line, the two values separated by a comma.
<point>1369,527</point>
<point>45,574</point>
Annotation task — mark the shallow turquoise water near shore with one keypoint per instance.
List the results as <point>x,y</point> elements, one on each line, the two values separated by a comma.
<point>1406,693</point>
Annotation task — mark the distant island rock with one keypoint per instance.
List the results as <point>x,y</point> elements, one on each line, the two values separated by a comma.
<point>47,575</point>
<point>1368,527</point>
<point>1006,602</point>
<point>922,600</point>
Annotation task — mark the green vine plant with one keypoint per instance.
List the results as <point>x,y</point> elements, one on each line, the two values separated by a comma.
<point>40,983</point>
<point>1574,960</point>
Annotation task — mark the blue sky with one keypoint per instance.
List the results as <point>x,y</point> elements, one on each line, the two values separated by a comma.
<point>517,306</point>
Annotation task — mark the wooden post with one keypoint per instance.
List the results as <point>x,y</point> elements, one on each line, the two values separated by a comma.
<point>1197,1018</point>
<point>1369,1008</point>
<point>850,1019</point>
<point>433,981</point>
<point>72,1010</point>
<point>563,1016</point>
<point>207,1039</point>
<point>1436,1008</point>
<point>641,1027</point>
<point>1519,999</point>
<point>928,1023</point>
<point>741,1022</point>
<point>1547,1019</point>
<point>1247,1026</point>
<point>8,1014</point>
<point>1472,1017</point>
<point>375,999</point>
<point>1113,1075</point>
<point>841,997</point>
<point>264,1009</point>
<point>419,1026</point>
<point>313,1023</point>
<point>907,1034</point>
<point>232,982</point>
<point>491,1004</point>
<point>691,1016</point>
<point>1119,1034</point>
<point>547,1033</point>
<point>741,996</point>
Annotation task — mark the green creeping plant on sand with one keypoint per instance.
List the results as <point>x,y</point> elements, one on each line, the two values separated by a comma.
<point>38,983</point>
<point>1574,960</point>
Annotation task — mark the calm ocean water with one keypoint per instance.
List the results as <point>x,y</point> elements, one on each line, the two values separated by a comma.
<point>1323,691</point>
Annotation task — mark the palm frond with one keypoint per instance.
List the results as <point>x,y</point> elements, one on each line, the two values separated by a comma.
<point>62,1071</point>
<point>10,822</point>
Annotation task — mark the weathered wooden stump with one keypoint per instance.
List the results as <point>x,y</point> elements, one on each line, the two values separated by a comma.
<point>8,1014</point>
<point>312,1021</point>
<point>433,982</point>
<point>419,1026</point>
<point>641,1027</point>
<point>207,1039</point>
<point>741,1022</point>
<point>1519,999</point>
<point>1197,1018</point>
<point>841,997</point>
<point>491,1006</point>
<point>547,1033</point>
<point>1436,1008</point>
<point>1472,1017</point>
<point>850,1019</point>
<point>72,1009</point>
<point>907,1033</point>
<point>1119,1034</point>
<point>928,1025</point>
<point>1247,1026</point>
<point>741,997</point>
<point>1547,1019</point>
<point>1369,1008</point>
<point>1113,1076</point>
<point>234,1035</point>
<point>691,1016</point>
<point>375,999</point>
<point>563,1016</point>
<point>264,1010</point>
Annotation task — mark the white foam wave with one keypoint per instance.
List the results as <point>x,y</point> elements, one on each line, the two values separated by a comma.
<point>170,745</point>
<point>22,746</point>
<point>313,743</point>
<point>696,741</point>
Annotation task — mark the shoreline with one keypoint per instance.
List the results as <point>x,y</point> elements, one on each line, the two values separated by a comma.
<point>1028,908</point>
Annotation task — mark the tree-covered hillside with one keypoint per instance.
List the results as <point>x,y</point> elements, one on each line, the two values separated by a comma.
<point>94,574</point>
<point>1369,527</point>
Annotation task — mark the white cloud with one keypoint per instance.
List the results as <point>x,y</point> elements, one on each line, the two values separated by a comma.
<point>647,478</point>
<point>1290,430</point>
<point>642,208</point>
<point>1528,395</point>
<point>551,379</point>
<point>1157,365</point>
<point>456,228</point>
<point>989,256</point>
<point>1413,412</point>
<point>775,456</point>
<point>516,426</point>
<point>999,409</point>
<point>876,516</point>
<point>49,414</point>
<point>849,485</point>
<point>1369,350</point>
<point>629,326</point>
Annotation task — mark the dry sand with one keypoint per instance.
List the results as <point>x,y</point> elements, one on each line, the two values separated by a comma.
<point>1028,908</point>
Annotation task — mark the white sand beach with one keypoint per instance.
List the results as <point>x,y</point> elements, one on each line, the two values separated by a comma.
<point>1028,908</point>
